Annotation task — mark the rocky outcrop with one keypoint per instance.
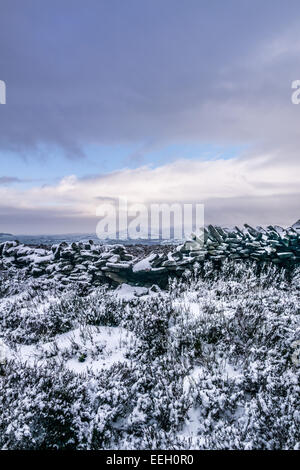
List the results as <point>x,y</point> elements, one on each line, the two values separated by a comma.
<point>92,264</point>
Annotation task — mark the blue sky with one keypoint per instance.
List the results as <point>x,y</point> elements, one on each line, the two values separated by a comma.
<point>196,92</point>
<point>51,166</point>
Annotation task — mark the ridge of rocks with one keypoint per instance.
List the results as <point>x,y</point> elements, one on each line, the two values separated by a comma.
<point>92,264</point>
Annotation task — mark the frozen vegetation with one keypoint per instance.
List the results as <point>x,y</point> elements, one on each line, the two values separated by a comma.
<point>209,363</point>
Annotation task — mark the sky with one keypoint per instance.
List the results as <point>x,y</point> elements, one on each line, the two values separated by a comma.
<point>156,101</point>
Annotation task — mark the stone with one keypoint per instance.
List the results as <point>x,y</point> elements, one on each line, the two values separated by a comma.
<point>214,233</point>
<point>190,245</point>
<point>74,262</point>
<point>159,270</point>
<point>285,255</point>
<point>115,277</point>
<point>118,266</point>
<point>234,256</point>
<point>99,263</point>
<point>198,252</point>
<point>168,263</point>
<point>127,257</point>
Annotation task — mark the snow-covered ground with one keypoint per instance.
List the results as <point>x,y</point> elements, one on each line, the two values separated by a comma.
<point>209,363</point>
<point>85,348</point>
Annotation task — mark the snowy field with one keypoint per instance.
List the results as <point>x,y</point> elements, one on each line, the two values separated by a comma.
<point>210,363</point>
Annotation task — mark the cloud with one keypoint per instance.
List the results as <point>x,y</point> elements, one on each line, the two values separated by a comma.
<point>9,180</point>
<point>107,72</point>
<point>233,191</point>
<point>152,73</point>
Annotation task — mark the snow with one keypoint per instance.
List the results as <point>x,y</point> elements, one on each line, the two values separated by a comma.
<point>190,428</point>
<point>120,265</point>
<point>144,264</point>
<point>187,303</point>
<point>103,347</point>
<point>42,259</point>
<point>127,292</point>
<point>231,372</point>
<point>192,307</point>
<point>191,378</point>
<point>36,258</point>
<point>205,388</point>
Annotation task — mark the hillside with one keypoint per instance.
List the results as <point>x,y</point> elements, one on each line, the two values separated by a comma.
<point>212,362</point>
<point>194,346</point>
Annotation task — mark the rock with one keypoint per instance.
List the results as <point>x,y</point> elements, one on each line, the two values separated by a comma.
<point>88,255</point>
<point>127,257</point>
<point>158,261</point>
<point>177,256</point>
<point>168,263</point>
<point>185,262</point>
<point>234,256</point>
<point>99,263</point>
<point>217,257</point>
<point>118,266</point>
<point>231,235</point>
<point>66,268</point>
<point>198,258</point>
<point>114,259</point>
<point>254,233</point>
<point>144,264</point>
<point>99,274</point>
<point>191,245</point>
<point>116,277</point>
<point>285,241</point>
<point>285,255</point>
<point>159,270</point>
<point>239,231</point>
<point>92,268</point>
<point>214,233</point>
<point>296,226</point>
<point>245,251</point>
<point>37,271</point>
<point>154,288</point>
<point>67,254</point>
<point>198,252</point>
<point>92,264</point>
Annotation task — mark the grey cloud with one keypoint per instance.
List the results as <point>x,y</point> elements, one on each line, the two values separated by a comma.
<point>277,209</point>
<point>154,71</point>
<point>46,221</point>
<point>6,180</point>
<point>9,179</point>
<point>280,209</point>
